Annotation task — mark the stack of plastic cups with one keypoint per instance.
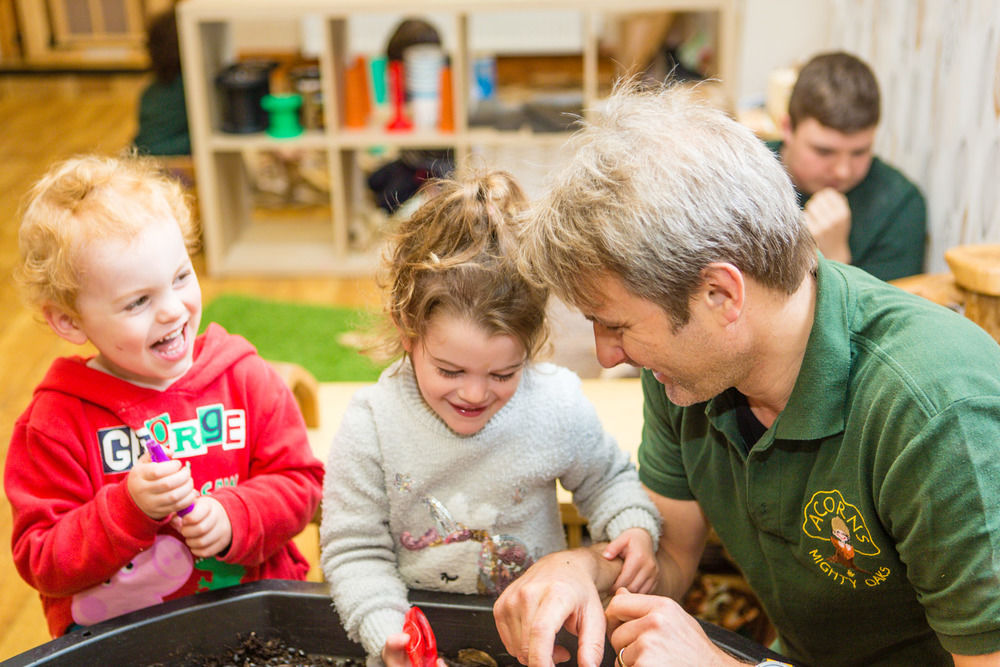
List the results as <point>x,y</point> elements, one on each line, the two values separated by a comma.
<point>379,85</point>
<point>446,120</point>
<point>484,78</point>
<point>422,67</point>
<point>357,104</point>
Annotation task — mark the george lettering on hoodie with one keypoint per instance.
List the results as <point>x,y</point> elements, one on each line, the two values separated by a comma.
<point>213,426</point>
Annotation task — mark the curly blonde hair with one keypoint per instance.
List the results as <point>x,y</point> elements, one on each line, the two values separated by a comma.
<point>84,199</point>
<point>452,256</point>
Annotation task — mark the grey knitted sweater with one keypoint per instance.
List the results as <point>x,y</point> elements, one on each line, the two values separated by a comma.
<point>408,503</point>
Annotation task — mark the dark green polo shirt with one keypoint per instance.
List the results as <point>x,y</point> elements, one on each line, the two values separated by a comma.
<point>891,438</point>
<point>888,236</point>
<point>163,124</point>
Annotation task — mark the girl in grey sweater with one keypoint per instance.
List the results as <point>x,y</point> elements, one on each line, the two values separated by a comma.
<point>443,474</point>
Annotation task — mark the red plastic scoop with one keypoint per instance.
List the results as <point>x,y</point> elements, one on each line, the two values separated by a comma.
<point>422,647</point>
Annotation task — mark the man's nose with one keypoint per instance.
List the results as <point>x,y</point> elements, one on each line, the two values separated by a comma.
<point>842,168</point>
<point>609,348</point>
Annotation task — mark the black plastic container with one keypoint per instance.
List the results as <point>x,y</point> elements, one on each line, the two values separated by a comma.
<point>241,87</point>
<point>297,612</point>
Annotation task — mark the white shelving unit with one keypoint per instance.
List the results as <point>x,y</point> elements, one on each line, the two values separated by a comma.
<point>238,242</point>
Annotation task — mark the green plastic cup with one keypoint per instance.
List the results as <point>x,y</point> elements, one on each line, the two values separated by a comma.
<point>378,70</point>
<point>283,113</point>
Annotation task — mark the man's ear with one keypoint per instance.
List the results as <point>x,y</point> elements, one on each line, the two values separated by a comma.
<point>723,291</point>
<point>64,324</point>
<point>786,128</point>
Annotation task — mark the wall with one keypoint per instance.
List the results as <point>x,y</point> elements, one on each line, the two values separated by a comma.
<point>491,32</point>
<point>495,32</point>
<point>777,33</point>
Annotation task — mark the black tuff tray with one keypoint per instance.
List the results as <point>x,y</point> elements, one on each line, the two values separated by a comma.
<point>299,613</point>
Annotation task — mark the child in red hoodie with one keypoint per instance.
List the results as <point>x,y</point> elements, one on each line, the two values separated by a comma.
<point>99,528</point>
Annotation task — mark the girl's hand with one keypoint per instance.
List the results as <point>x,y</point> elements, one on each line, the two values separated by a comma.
<point>160,488</point>
<point>206,528</point>
<point>640,569</point>
<point>394,651</point>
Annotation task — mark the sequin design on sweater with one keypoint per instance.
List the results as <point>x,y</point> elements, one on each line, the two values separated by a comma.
<point>502,558</point>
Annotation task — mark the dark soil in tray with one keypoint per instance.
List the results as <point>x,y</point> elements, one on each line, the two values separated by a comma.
<point>255,651</point>
<point>274,652</point>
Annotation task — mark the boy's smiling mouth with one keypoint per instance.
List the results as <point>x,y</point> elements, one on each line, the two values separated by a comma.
<point>173,345</point>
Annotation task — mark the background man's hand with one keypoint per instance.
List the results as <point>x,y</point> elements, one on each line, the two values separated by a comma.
<point>828,218</point>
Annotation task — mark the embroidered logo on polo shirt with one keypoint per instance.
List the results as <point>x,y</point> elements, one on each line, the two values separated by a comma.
<point>848,543</point>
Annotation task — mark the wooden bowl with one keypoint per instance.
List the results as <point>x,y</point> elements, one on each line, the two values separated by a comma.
<point>976,267</point>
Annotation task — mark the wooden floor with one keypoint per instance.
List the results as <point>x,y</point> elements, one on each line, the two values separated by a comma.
<point>44,119</point>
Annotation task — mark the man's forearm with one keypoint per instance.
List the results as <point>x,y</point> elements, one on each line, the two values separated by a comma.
<point>674,580</point>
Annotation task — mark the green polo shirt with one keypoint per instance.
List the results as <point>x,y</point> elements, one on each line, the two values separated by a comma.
<point>888,236</point>
<point>890,439</point>
<point>163,123</point>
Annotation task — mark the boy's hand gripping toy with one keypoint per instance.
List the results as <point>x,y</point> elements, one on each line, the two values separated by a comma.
<point>422,647</point>
<point>156,453</point>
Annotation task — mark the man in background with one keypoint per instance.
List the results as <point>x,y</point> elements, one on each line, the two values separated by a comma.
<point>860,210</point>
<point>163,123</point>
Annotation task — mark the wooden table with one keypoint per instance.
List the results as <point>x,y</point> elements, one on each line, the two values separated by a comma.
<point>618,403</point>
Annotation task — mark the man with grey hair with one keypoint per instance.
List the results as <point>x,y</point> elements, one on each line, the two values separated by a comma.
<point>841,436</point>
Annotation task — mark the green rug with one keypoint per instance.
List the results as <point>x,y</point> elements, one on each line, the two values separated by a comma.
<point>318,338</point>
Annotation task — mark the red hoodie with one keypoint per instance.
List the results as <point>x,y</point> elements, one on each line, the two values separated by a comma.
<point>79,538</point>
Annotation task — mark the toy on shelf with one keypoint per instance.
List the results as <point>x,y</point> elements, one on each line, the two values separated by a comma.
<point>446,120</point>
<point>283,112</point>
<point>399,120</point>
<point>356,100</point>
<point>242,87</point>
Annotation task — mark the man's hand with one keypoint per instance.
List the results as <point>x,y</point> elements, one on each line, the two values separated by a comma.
<point>828,218</point>
<point>206,528</point>
<point>557,591</point>
<point>649,630</point>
